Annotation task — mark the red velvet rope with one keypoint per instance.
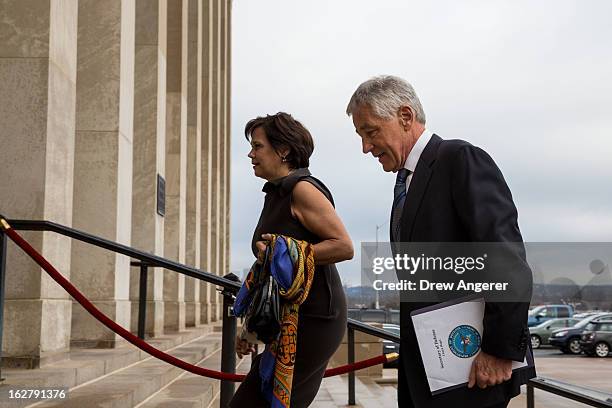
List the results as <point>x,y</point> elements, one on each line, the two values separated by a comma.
<point>79,297</point>
<point>383,358</point>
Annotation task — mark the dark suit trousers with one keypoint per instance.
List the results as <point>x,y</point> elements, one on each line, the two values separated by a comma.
<point>405,401</point>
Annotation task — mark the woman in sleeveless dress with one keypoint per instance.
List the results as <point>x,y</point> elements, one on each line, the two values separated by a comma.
<point>300,206</point>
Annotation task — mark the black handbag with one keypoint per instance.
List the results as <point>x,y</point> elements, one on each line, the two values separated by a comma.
<point>263,316</point>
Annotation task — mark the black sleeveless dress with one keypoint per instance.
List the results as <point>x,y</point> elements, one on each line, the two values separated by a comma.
<point>322,316</point>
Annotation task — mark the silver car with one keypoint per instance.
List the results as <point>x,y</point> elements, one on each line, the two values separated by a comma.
<point>541,333</point>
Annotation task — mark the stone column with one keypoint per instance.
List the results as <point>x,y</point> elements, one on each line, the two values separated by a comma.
<point>176,167</point>
<point>193,134</point>
<point>228,130</point>
<point>225,137</point>
<point>103,163</point>
<point>149,156</point>
<point>37,105</point>
<point>205,27</point>
<point>221,85</point>
<point>215,161</point>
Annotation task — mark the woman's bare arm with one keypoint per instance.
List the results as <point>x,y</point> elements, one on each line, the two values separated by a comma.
<point>318,215</point>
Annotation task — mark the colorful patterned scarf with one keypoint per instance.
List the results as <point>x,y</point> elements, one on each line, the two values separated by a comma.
<point>291,263</point>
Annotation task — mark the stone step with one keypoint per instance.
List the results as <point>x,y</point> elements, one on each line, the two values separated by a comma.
<point>193,391</point>
<point>86,367</point>
<point>82,365</point>
<point>368,394</point>
<point>134,383</point>
<point>216,403</point>
<point>378,396</point>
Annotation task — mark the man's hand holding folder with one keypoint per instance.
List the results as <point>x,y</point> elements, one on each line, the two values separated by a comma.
<point>489,370</point>
<point>450,335</point>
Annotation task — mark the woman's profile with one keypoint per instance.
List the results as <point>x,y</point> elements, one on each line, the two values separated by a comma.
<point>298,206</point>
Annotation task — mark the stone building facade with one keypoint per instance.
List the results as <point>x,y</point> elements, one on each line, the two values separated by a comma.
<point>99,99</point>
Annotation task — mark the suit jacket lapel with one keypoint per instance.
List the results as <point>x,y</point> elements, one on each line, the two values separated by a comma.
<point>418,186</point>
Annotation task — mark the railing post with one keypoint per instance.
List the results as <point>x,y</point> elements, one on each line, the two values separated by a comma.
<point>351,360</point>
<point>228,343</point>
<point>530,396</point>
<point>142,297</point>
<point>2,286</point>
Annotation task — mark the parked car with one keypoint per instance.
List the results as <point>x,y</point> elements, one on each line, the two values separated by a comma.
<point>597,338</point>
<point>568,339</point>
<point>543,313</point>
<point>390,346</point>
<point>582,315</point>
<point>541,332</point>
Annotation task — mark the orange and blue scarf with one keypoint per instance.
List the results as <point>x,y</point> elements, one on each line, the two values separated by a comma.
<point>291,263</point>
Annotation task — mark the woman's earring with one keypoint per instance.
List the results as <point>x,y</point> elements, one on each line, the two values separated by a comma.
<point>284,159</point>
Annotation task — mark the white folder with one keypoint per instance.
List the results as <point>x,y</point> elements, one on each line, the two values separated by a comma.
<point>449,336</point>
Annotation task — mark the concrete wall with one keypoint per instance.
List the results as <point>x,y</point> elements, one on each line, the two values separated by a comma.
<point>97,100</point>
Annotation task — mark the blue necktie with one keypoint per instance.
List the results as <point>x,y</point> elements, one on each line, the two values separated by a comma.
<point>399,197</point>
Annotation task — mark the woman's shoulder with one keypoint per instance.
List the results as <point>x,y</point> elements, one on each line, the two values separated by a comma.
<point>305,182</point>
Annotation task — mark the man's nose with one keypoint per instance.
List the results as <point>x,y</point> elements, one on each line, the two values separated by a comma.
<point>251,155</point>
<point>366,147</point>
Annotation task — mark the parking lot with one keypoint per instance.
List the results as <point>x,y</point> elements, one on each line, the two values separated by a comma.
<point>548,352</point>
<point>590,372</point>
<point>589,375</point>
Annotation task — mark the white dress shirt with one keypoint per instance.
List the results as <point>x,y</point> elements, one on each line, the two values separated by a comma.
<point>415,154</point>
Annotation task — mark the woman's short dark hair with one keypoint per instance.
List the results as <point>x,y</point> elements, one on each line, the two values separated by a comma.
<point>283,131</point>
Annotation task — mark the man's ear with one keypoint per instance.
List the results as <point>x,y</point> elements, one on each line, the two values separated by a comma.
<point>406,116</point>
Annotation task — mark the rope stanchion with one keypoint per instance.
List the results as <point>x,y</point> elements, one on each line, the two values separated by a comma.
<point>384,358</point>
<point>95,312</point>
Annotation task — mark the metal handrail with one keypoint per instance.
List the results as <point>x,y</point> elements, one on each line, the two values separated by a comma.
<point>545,384</point>
<point>542,383</point>
<point>374,331</point>
<point>150,259</point>
<point>230,288</point>
<point>157,261</point>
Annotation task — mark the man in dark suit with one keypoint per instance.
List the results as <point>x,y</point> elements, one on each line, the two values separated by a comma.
<point>446,191</point>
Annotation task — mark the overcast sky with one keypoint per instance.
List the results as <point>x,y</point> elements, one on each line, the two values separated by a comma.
<point>528,81</point>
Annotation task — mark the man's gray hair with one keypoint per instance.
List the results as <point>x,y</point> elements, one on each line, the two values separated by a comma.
<point>385,94</point>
